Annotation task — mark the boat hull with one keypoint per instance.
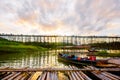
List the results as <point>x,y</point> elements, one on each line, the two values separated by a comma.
<point>81,62</point>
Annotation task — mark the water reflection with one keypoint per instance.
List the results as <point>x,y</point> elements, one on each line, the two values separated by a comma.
<point>33,60</point>
<point>37,59</point>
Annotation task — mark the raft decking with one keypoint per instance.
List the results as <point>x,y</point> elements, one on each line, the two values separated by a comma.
<point>53,73</point>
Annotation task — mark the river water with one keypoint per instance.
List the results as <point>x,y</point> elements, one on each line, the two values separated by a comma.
<point>37,59</point>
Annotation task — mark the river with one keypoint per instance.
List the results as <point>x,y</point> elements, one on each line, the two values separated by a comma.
<point>37,59</point>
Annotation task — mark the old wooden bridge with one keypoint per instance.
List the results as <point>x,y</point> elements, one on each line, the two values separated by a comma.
<point>77,40</point>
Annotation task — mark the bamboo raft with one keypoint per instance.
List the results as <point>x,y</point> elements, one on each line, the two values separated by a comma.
<point>52,73</point>
<point>103,75</point>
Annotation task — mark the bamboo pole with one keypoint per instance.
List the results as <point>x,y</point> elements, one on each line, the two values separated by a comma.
<point>71,74</point>
<point>31,75</point>
<point>70,77</point>
<point>19,77</point>
<point>104,75</point>
<point>117,77</point>
<point>36,75</point>
<point>76,74</point>
<point>56,76</point>
<point>109,76</point>
<point>4,74</point>
<point>44,76</point>
<point>52,75</point>
<point>14,76</point>
<point>7,77</point>
<point>59,69</point>
<point>84,76</point>
<point>48,76</point>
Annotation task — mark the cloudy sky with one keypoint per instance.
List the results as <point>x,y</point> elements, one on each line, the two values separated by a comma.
<point>60,17</point>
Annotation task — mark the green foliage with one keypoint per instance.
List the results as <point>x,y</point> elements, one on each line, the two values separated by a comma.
<point>12,46</point>
<point>48,45</point>
<point>105,45</point>
<point>104,52</point>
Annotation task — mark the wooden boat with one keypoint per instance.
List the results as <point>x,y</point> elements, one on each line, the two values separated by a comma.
<point>106,65</point>
<point>77,60</point>
<point>85,61</point>
<point>92,50</point>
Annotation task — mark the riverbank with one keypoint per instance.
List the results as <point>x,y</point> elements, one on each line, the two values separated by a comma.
<point>108,55</point>
<point>7,46</point>
<point>105,54</point>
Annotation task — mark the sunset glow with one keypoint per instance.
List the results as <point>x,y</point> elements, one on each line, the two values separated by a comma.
<point>60,17</point>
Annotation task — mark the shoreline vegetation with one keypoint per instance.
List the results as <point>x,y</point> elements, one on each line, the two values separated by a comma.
<point>105,54</point>
<point>7,46</point>
<point>108,46</point>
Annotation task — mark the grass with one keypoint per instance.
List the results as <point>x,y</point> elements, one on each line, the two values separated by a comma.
<point>106,45</point>
<point>12,46</point>
<point>105,53</point>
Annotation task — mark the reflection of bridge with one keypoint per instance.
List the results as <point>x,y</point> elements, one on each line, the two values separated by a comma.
<point>77,40</point>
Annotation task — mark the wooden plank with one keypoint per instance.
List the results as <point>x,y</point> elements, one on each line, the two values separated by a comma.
<point>79,75</point>
<point>7,77</point>
<point>56,76</point>
<point>4,74</point>
<point>44,76</point>
<point>14,76</point>
<point>36,75</point>
<point>99,74</point>
<point>19,77</point>
<point>115,76</point>
<point>52,75</point>
<point>31,75</point>
<point>108,76</point>
<point>83,76</point>
<point>58,69</point>
<point>48,76</point>
<point>40,77</point>
<point>70,76</point>
<point>23,76</point>
<point>75,74</point>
